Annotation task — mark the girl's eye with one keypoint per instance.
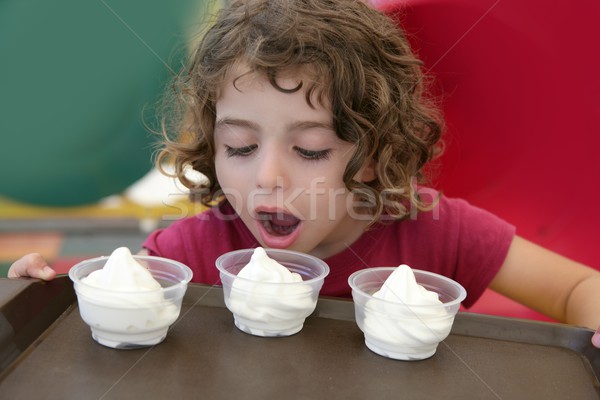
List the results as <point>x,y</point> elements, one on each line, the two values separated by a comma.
<point>313,154</point>
<point>240,151</point>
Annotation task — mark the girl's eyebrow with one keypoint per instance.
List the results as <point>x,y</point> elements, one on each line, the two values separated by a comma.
<point>302,125</point>
<point>291,127</point>
<point>236,122</point>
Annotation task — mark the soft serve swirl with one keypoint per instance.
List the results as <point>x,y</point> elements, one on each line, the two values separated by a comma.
<point>409,317</point>
<point>122,273</point>
<point>124,297</point>
<point>267,299</point>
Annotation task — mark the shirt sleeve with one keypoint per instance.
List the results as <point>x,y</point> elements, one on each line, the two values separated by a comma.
<point>167,243</point>
<point>483,240</point>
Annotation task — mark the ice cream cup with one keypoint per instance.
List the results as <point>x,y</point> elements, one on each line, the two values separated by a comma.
<point>271,308</point>
<point>404,331</point>
<point>131,319</point>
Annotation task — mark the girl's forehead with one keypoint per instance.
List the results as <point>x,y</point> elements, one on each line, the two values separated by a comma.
<point>297,78</point>
<point>242,71</point>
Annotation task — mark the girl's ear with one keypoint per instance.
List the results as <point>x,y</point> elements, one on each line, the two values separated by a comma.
<point>368,172</point>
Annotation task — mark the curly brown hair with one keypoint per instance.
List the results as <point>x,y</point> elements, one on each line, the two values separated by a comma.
<point>362,64</point>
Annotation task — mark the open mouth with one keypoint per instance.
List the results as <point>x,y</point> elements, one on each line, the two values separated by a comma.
<point>278,223</point>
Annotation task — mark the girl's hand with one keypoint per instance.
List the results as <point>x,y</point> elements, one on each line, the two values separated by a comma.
<point>33,266</point>
<point>596,338</point>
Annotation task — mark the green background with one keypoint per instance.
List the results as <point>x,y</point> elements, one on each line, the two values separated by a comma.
<point>79,85</point>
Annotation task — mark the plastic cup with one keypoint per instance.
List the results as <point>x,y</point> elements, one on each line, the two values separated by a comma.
<point>131,319</point>
<point>271,308</point>
<point>404,331</point>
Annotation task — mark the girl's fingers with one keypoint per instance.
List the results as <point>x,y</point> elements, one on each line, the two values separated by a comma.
<point>32,265</point>
<point>596,338</point>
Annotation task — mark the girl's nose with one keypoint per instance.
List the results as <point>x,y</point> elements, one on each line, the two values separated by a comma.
<point>270,170</point>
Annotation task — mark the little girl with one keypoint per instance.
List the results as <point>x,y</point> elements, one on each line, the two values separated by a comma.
<point>309,121</point>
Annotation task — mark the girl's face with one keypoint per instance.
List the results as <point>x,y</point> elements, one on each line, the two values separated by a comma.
<point>281,165</point>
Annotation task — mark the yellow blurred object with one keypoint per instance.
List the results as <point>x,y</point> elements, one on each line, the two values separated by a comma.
<point>116,207</point>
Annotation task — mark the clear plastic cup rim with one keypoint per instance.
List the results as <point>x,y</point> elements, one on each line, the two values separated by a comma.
<point>174,287</point>
<point>272,253</point>
<point>462,293</point>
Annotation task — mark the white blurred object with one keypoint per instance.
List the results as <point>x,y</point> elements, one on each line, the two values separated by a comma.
<point>156,189</point>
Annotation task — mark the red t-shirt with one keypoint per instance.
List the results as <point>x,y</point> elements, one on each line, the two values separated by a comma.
<point>455,239</point>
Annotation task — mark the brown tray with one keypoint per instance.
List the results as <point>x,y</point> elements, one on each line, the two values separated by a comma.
<point>205,356</point>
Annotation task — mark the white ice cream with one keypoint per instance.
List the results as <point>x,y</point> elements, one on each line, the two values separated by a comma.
<point>402,287</point>
<point>410,322</point>
<point>267,299</point>
<point>122,273</point>
<point>124,304</point>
